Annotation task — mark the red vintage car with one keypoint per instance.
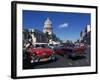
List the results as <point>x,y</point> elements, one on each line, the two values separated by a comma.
<point>79,50</point>
<point>39,52</point>
<point>59,50</point>
<point>63,50</point>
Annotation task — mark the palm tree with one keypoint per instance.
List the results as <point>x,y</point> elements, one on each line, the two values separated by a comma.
<point>47,36</point>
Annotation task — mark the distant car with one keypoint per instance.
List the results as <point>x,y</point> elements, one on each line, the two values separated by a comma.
<point>79,50</point>
<point>69,49</point>
<point>59,50</point>
<point>39,52</point>
<point>63,50</point>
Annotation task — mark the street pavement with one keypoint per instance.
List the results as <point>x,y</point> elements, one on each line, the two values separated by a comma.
<point>62,61</point>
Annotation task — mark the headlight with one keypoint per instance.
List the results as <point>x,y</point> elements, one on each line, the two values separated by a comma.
<point>33,55</point>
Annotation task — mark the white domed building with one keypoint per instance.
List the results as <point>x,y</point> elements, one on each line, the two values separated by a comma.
<point>48,29</point>
<point>48,26</point>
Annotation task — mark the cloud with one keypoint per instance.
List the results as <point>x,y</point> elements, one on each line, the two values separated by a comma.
<point>64,25</point>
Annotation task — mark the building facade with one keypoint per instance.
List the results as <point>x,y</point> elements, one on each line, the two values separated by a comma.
<point>35,36</point>
<point>85,35</point>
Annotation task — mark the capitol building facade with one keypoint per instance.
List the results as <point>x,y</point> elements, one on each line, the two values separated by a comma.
<point>36,36</point>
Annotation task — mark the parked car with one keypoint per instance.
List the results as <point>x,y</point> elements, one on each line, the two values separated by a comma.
<point>39,52</point>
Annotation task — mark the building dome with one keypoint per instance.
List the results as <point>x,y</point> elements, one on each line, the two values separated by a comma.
<point>48,21</point>
<point>48,26</point>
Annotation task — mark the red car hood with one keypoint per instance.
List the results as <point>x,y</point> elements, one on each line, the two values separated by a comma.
<point>40,51</point>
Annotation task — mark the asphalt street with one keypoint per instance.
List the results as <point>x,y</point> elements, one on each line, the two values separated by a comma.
<point>62,61</point>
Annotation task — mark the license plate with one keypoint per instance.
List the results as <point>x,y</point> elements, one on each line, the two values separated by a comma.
<point>46,59</point>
